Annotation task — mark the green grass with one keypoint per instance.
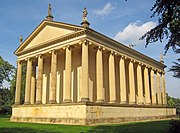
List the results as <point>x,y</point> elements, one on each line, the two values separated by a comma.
<point>134,127</point>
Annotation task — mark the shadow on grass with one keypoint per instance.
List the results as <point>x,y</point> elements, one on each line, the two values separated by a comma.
<point>138,127</point>
<point>5,116</point>
<point>23,130</point>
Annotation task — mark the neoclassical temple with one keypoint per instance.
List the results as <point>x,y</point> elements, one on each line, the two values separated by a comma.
<point>76,75</point>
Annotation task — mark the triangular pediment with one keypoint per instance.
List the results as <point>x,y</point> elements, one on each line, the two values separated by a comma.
<point>45,32</point>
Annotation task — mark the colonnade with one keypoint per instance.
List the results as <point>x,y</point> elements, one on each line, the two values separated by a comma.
<point>139,83</point>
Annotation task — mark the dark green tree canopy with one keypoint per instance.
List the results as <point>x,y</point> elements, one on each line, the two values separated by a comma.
<point>176,69</point>
<point>6,70</point>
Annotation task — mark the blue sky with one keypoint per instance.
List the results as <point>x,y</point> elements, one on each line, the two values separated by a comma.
<point>118,19</point>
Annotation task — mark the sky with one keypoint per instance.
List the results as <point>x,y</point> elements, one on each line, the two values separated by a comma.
<point>124,21</point>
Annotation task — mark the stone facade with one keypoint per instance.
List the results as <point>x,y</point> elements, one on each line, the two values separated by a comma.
<point>76,75</point>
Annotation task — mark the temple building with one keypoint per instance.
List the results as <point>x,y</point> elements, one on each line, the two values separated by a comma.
<point>76,75</point>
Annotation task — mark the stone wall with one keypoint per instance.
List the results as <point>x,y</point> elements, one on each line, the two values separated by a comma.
<point>82,114</point>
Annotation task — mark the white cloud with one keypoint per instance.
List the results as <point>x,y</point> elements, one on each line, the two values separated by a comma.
<point>132,32</point>
<point>107,9</point>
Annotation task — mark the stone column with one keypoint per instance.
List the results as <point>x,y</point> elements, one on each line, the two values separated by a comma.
<point>164,97</point>
<point>158,88</point>
<point>84,92</point>
<point>123,92</point>
<point>33,84</point>
<point>28,82</point>
<point>146,85</point>
<point>67,91</point>
<point>132,98</point>
<point>99,76</point>
<point>18,83</point>
<point>112,87</point>
<point>140,84</point>
<point>153,92</point>
<point>39,80</point>
<point>52,96</point>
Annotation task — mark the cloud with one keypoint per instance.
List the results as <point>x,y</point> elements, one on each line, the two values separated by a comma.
<point>131,33</point>
<point>107,9</point>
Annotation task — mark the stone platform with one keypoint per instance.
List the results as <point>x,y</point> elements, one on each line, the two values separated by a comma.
<point>88,113</point>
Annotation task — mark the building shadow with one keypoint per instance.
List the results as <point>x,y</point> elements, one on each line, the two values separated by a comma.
<point>24,130</point>
<point>138,127</point>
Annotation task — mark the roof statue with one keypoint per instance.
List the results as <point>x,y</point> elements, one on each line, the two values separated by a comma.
<point>161,58</point>
<point>49,16</point>
<point>20,39</point>
<point>85,22</point>
<point>85,13</point>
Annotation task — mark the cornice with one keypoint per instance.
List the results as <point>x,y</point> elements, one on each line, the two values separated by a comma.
<point>99,38</point>
<point>91,35</point>
<point>39,28</point>
<point>53,41</point>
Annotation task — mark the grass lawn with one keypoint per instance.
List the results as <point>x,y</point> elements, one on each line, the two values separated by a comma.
<point>134,127</point>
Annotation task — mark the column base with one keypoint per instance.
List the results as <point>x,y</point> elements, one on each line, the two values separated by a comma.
<point>52,102</point>
<point>85,100</point>
<point>16,103</point>
<point>67,100</point>
<point>132,102</point>
<point>154,104</point>
<point>100,101</point>
<point>140,103</point>
<point>123,102</point>
<point>26,103</point>
<point>38,102</point>
<point>113,101</point>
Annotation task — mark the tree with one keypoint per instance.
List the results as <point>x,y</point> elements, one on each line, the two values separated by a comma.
<point>6,101</point>
<point>6,71</point>
<point>170,102</point>
<point>169,24</point>
<point>168,12</point>
<point>176,67</point>
<point>174,102</point>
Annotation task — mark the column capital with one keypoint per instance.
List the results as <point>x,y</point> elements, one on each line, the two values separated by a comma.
<point>39,56</point>
<point>159,71</point>
<point>86,42</point>
<point>18,62</point>
<point>29,59</point>
<point>132,60</point>
<point>112,53</point>
<point>140,64</point>
<point>153,69</point>
<point>123,57</point>
<point>53,51</point>
<point>163,72</point>
<point>100,48</point>
<point>70,47</point>
<point>147,66</point>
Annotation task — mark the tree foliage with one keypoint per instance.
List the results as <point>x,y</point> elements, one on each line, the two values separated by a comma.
<point>6,71</point>
<point>168,12</point>
<point>176,67</point>
<point>6,101</point>
<point>174,102</point>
